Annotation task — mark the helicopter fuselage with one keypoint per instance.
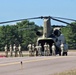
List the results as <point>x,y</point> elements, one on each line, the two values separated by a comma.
<point>49,37</point>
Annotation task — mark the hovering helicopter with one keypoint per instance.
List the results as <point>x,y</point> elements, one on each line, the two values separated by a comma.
<point>50,35</point>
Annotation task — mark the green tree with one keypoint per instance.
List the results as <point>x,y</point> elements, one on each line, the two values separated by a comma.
<point>72,35</point>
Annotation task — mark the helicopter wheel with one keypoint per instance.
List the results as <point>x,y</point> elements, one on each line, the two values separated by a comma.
<point>64,53</point>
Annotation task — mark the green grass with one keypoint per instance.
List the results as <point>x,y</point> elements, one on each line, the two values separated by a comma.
<point>71,72</point>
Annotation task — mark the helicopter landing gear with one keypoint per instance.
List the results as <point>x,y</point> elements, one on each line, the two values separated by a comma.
<point>64,53</point>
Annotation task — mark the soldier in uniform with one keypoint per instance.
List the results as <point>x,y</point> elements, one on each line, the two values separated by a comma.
<point>14,48</point>
<point>62,48</point>
<point>20,51</point>
<point>6,50</point>
<point>45,48</point>
<point>11,52</point>
<point>53,49</point>
<point>48,50</point>
<point>33,47</point>
<point>30,49</point>
<point>36,50</point>
<point>39,50</point>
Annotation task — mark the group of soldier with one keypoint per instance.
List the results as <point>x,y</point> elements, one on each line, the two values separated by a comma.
<point>37,50</point>
<point>13,50</point>
<point>48,50</point>
<point>33,50</point>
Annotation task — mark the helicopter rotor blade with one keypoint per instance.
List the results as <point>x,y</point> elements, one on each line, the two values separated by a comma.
<point>65,18</point>
<point>41,17</point>
<point>59,20</point>
<point>19,20</point>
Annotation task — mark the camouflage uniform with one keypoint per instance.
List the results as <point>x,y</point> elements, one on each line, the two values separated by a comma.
<point>20,51</point>
<point>33,49</point>
<point>39,49</point>
<point>45,49</point>
<point>30,49</point>
<point>48,50</point>
<point>6,51</point>
<point>15,51</point>
<point>11,53</point>
<point>62,48</point>
<point>53,49</point>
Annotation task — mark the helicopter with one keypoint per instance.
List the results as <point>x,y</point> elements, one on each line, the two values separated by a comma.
<point>49,34</point>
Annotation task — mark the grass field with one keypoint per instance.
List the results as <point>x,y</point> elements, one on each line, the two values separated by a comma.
<point>71,72</point>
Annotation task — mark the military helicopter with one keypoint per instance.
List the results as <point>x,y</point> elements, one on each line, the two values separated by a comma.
<point>49,35</point>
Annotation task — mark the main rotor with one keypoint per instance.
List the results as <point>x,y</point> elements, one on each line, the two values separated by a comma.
<point>59,19</point>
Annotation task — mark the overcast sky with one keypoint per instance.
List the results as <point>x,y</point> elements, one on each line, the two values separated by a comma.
<point>20,9</point>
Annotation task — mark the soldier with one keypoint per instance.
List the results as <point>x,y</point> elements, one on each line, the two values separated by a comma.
<point>14,47</point>
<point>20,51</point>
<point>45,49</point>
<point>39,49</point>
<point>33,47</point>
<point>36,50</point>
<point>48,50</point>
<point>53,49</point>
<point>62,48</point>
<point>6,50</point>
<point>11,54</point>
<point>30,49</point>
<point>15,51</point>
